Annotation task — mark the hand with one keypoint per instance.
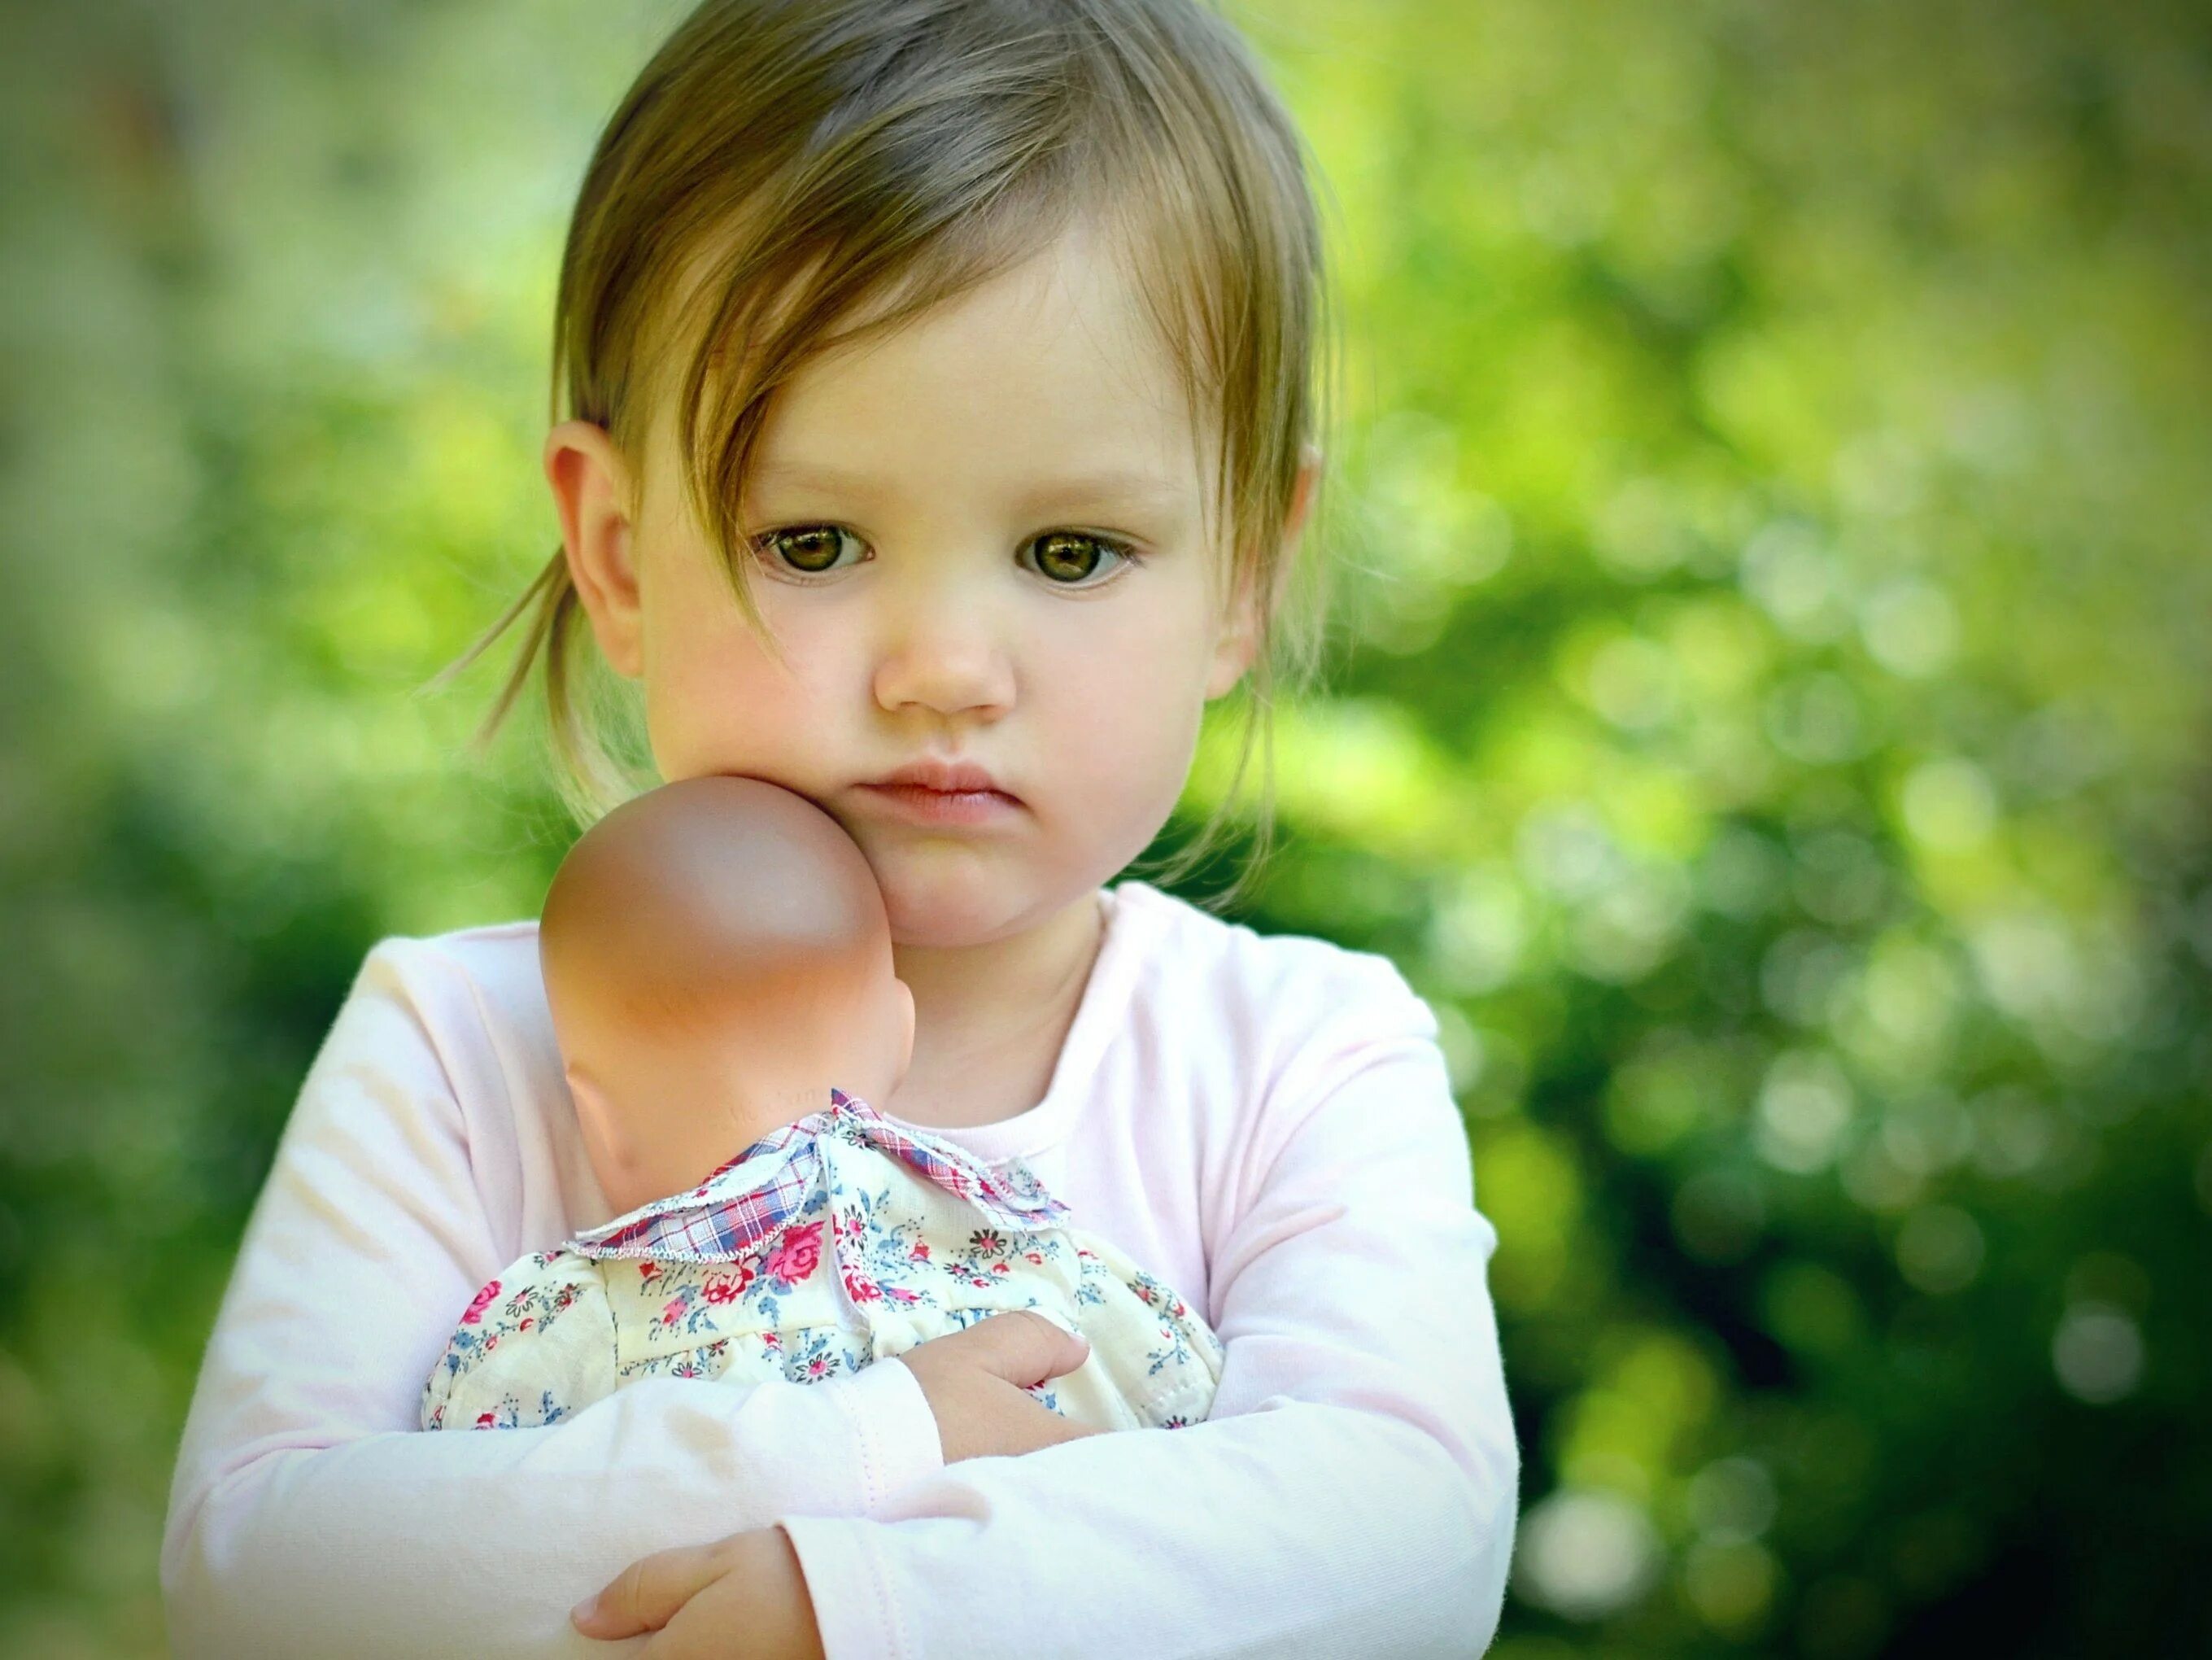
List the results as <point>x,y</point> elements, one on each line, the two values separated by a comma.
<point>706,1600</point>
<point>740,1598</point>
<point>976,1380</point>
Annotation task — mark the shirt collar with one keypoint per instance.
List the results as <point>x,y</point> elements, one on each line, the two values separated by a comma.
<point>754,1193</point>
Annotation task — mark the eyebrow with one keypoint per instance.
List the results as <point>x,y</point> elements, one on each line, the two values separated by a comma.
<point>1110,485</point>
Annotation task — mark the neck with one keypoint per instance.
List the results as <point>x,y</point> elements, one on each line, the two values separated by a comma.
<point>970,1001</point>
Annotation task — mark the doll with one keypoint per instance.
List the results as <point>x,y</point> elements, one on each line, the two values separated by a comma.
<point>718,967</point>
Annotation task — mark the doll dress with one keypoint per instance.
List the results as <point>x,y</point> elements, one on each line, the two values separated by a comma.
<point>831,1243</point>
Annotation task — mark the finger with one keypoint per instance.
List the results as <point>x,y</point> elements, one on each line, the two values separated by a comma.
<point>647,1593</point>
<point>1027,1351</point>
<point>1023,1347</point>
<point>1063,1428</point>
<point>699,1630</point>
<point>1064,1350</point>
<point>742,1614</point>
<point>1035,1424</point>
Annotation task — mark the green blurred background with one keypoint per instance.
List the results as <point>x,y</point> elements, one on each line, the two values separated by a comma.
<point>1769,725</point>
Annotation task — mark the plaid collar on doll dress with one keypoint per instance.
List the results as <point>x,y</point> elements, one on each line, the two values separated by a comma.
<point>756,1192</point>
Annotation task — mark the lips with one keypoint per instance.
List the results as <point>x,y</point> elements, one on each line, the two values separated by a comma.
<point>950,777</point>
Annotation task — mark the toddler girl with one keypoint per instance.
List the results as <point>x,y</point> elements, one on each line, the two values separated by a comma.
<point>938,445</point>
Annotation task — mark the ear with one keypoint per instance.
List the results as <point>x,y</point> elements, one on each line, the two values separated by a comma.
<point>592,491</point>
<point>1240,635</point>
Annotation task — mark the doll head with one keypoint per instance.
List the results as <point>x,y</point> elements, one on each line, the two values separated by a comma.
<point>716,956</point>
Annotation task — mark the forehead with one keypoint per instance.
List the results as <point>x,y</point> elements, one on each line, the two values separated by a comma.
<point>1050,372</point>
<point>1052,363</point>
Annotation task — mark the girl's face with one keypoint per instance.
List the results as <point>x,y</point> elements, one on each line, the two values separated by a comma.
<point>978,539</point>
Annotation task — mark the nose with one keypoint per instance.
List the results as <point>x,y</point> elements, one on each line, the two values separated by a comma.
<point>942,651</point>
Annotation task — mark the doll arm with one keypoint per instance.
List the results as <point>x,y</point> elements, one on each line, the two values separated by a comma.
<point>309,1515</point>
<point>1353,1492</point>
<point>535,1345</point>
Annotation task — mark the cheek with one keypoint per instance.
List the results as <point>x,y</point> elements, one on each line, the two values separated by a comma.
<point>717,700</point>
<point>1126,699</point>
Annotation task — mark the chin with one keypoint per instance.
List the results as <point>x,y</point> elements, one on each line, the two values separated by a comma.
<point>954,902</point>
<point>948,914</point>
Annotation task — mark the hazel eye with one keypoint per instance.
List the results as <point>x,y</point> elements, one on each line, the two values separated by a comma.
<point>805,549</point>
<point>1068,559</point>
<point>1059,551</point>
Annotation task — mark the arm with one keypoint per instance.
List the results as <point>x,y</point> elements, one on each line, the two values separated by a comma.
<point>309,1515</point>
<point>1353,1492</point>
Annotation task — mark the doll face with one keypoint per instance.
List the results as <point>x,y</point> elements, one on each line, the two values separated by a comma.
<point>979,539</point>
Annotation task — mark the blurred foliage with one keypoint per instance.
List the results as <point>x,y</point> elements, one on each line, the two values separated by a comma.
<point>1771,731</point>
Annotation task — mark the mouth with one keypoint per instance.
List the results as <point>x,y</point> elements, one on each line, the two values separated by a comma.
<point>942,793</point>
<point>943,777</point>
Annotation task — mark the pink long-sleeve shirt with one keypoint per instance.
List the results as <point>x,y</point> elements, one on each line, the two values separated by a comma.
<point>1264,1121</point>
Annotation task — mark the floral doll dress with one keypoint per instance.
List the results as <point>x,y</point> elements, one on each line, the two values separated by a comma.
<point>834,1242</point>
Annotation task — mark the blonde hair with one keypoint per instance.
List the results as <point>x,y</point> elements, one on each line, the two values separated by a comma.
<point>781,164</point>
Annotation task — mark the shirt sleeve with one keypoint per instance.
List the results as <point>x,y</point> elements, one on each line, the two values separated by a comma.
<point>309,1515</point>
<point>1355,1488</point>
